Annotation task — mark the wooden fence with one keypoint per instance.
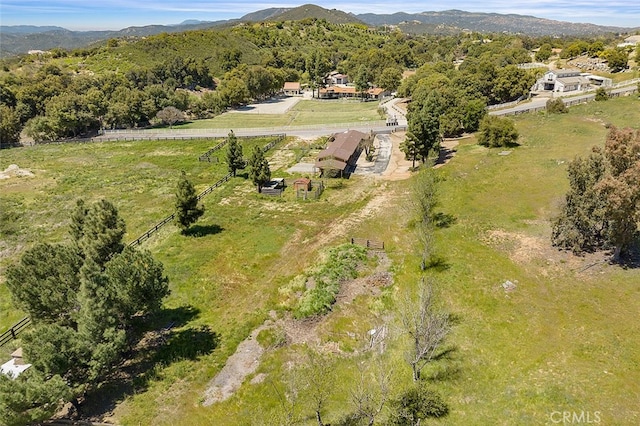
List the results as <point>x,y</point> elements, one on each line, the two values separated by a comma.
<point>163,222</point>
<point>370,244</point>
<point>11,334</point>
<point>207,155</point>
<point>317,187</point>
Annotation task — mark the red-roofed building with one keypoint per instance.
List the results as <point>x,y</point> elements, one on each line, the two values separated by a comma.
<point>292,88</point>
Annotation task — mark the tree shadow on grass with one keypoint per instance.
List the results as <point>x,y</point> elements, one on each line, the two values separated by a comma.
<point>203,230</point>
<point>156,350</point>
<point>436,262</point>
<point>631,260</point>
<point>444,366</point>
<point>444,220</point>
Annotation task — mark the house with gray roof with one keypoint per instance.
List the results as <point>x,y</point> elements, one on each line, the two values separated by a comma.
<point>561,81</point>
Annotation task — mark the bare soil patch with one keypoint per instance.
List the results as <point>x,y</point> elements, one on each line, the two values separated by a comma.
<point>528,249</point>
<point>242,363</point>
<point>15,171</point>
<point>246,359</point>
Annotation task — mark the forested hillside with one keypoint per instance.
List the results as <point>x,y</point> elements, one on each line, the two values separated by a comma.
<point>127,81</point>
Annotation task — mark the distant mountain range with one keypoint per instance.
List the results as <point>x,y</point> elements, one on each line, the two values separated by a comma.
<point>22,38</point>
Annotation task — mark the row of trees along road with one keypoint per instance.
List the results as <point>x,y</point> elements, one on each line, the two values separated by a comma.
<point>87,300</point>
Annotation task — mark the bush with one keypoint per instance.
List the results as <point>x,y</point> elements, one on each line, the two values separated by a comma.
<point>341,264</point>
<point>601,94</point>
<point>497,132</point>
<point>415,404</point>
<point>556,106</point>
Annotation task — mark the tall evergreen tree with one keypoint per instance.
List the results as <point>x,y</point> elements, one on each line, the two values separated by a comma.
<point>45,282</point>
<point>31,397</point>
<point>82,298</point>
<point>234,153</point>
<point>259,170</point>
<point>138,282</point>
<point>78,216</point>
<point>188,211</point>
<point>102,233</point>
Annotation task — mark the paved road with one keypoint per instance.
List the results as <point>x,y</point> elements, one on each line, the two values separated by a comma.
<point>539,103</point>
<point>275,106</point>
<point>383,155</point>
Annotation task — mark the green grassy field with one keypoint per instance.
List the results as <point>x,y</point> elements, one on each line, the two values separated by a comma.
<point>563,340</point>
<point>304,113</point>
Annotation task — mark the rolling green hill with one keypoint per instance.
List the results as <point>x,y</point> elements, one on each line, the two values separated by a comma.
<point>316,12</point>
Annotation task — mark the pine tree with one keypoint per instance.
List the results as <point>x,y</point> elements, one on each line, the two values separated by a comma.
<point>78,216</point>
<point>188,211</point>
<point>102,233</point>
<point>45,282</point>
<point>31,398</point>
<point>259,168</point>
<point>82,299</point>
<point>234,154</point>
<point>138,282</point>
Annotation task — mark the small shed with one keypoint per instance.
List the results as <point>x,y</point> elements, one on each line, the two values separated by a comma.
<point>302,183</point>
<point>15,366</point>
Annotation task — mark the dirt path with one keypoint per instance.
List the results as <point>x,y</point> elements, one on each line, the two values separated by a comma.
<point>246,359</point>
<point>242,363</point>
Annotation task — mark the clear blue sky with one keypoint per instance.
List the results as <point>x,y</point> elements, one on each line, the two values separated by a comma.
<point>118,14</point>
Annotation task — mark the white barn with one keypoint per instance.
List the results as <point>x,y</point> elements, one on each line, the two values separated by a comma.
<point>564,80</point>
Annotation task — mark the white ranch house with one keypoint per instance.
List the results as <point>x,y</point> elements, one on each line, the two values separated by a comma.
<point>560,81</point>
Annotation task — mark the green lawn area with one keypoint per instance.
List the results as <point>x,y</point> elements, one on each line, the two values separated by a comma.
<point>304,113</point>
<point>564,340</point>
<point>138,177</point>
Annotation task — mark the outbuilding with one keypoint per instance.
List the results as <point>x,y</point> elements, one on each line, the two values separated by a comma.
<point>15,366</point>
<point>342,153</point>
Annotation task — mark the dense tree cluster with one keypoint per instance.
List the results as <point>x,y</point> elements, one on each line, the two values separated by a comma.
<point>85,299</point>
<point>602,208</point>
<point>126,82</point>
<point>200,73</point>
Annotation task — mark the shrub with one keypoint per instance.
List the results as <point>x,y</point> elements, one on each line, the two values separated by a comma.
<point>272,338</point>
<point>497,132</point>
<point>341,265</point>
<point>601,94</point>
<point>556,106</point>
<point>415,404</point>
